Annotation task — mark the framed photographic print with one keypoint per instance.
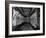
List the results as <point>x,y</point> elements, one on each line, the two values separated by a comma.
<point>24,18</point>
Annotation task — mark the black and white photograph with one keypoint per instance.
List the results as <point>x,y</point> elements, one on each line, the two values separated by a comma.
<point>25,19</point>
